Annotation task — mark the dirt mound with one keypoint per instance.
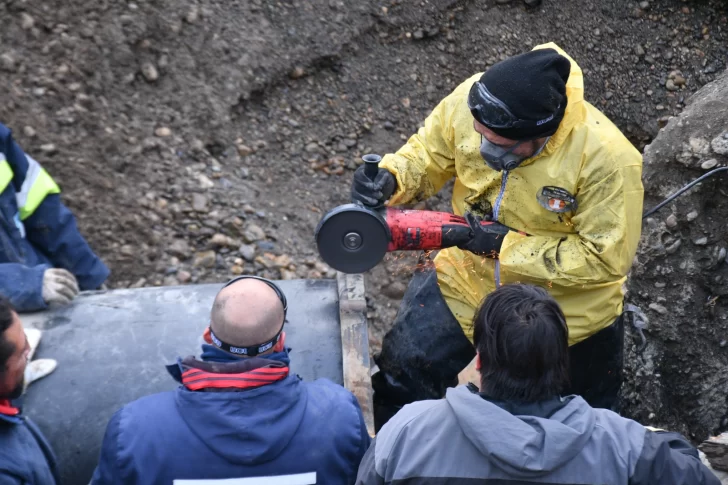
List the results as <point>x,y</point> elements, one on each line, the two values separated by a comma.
<point>680,278</point>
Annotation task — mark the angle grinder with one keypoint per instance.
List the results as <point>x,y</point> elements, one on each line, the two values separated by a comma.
<point>353,238</point>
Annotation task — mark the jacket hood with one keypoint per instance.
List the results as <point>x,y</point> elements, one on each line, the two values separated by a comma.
<point>247,427</point>
<point>523,446</point>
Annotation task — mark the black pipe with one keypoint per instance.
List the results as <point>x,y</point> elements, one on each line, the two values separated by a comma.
<point>684,189</point>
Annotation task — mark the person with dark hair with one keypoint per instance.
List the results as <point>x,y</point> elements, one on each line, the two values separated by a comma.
<point>238,413</point>
<point>26,457</point>
<point>561,187</point>
<point>519,427</point>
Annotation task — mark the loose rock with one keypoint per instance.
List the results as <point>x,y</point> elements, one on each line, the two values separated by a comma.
<point>671,221</point>
<point>253,233</point>
<point>162,132</point>
<point>26,21</point>
<point>149,71</point>
<point>395,290</point>
<point>205,259</point>
<point>658,308</point>
<point>179,248</point>
<point>7,62</point>
<point>297,72</point>
<point>720,144</point>
<point>247,251</point>
<point>702,241</point>
<point>692,216</point>
<point>184,276</point>
<point>199,203</point>
<point>708,164</point>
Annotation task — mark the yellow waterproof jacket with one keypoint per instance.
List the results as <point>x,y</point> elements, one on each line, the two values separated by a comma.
<point>580,242</point>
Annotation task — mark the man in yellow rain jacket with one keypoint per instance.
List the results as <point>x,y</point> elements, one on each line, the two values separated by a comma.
<point>563,186</point>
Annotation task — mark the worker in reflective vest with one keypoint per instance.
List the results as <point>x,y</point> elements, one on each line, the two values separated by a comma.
<point>43,257</point>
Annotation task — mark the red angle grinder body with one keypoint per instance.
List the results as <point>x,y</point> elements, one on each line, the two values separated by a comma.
<point>352,238</point>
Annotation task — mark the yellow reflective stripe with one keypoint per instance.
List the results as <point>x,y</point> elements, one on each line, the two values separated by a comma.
<point>6,173</point>
<point>41,187</point>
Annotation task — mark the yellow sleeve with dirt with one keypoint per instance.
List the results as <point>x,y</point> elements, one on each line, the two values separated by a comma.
<point>427,160</point>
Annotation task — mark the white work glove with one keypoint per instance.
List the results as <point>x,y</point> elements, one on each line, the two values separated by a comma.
<point>59,286</point>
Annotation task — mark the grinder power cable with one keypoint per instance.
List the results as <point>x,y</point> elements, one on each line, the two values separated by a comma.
<point>353,238</point>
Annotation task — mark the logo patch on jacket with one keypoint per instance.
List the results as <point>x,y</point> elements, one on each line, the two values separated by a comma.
<point>556,199</point>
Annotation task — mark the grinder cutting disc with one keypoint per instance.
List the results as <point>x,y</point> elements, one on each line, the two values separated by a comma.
<point>352,238</point>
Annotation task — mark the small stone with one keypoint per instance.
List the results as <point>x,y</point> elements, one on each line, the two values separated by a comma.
<point>723,343</point>
<point>658,308</point>
<point>199,203</point>
<point>243,150</point>
<point>48,148</point>
<point>721,254</point>
<point>193,14</point>
<point>288,275</point>
<point>708,164</point>
<point>205,259</point>
<point>221,241</point>
<point>350,143</point>
<point>170,281</point>
<point>282,261</point>
<point>672,248</point>
<point>247,251</point>
<point>149,71</point>
<point>127,250</point>
<point>720,144</point>
<point>205,182</point>
<point>395,290</point>
<point>7,62</point>
<point>419,34</point>
<point>692,216</point>
<point>179,248</point>
<point>28,131</point>
<point>608,95</point>
<point>297,73</point>
<point>671,221</point>
<point>253,233</point>
<point>639,50</point>
<point>388,125</point>
<point>670,85</point>
<point>702,241</point>
<point>651,416</point>
<point>26,21</point>
<point>184,276</point>
<point>660,284</point>
<point>162,132</point>
<point>237,269</point>
<point>679,80</point>
<point>644,5</point>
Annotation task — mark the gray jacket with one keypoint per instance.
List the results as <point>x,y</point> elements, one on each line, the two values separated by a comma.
<point>466,439</point>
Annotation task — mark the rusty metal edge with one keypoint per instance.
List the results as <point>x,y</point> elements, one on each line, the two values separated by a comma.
<point>355,342</point>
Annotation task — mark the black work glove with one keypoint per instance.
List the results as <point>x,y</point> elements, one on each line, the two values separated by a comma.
<point>370,192</point>
<point>487,238</point>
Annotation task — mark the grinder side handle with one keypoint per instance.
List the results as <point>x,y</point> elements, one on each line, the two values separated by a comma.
<point>371,165</point>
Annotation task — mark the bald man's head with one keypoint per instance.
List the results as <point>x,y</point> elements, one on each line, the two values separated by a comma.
<point>247,313</point>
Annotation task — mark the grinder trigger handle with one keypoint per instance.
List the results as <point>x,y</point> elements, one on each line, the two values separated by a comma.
<point>371,165</point>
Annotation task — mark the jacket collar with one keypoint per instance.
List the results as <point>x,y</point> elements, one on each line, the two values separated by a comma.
<point>8,412</point>
<point>229,373</point>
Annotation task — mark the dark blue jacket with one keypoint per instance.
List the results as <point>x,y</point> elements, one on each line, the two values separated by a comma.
<point>286,427</point>
<point>37,231</point>
<point>25,456</point>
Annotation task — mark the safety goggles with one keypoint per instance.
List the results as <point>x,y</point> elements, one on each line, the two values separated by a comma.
<point>253,350</point>
<point>493,113</point>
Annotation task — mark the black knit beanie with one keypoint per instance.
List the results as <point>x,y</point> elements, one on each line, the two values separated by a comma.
<point>533,86</point>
